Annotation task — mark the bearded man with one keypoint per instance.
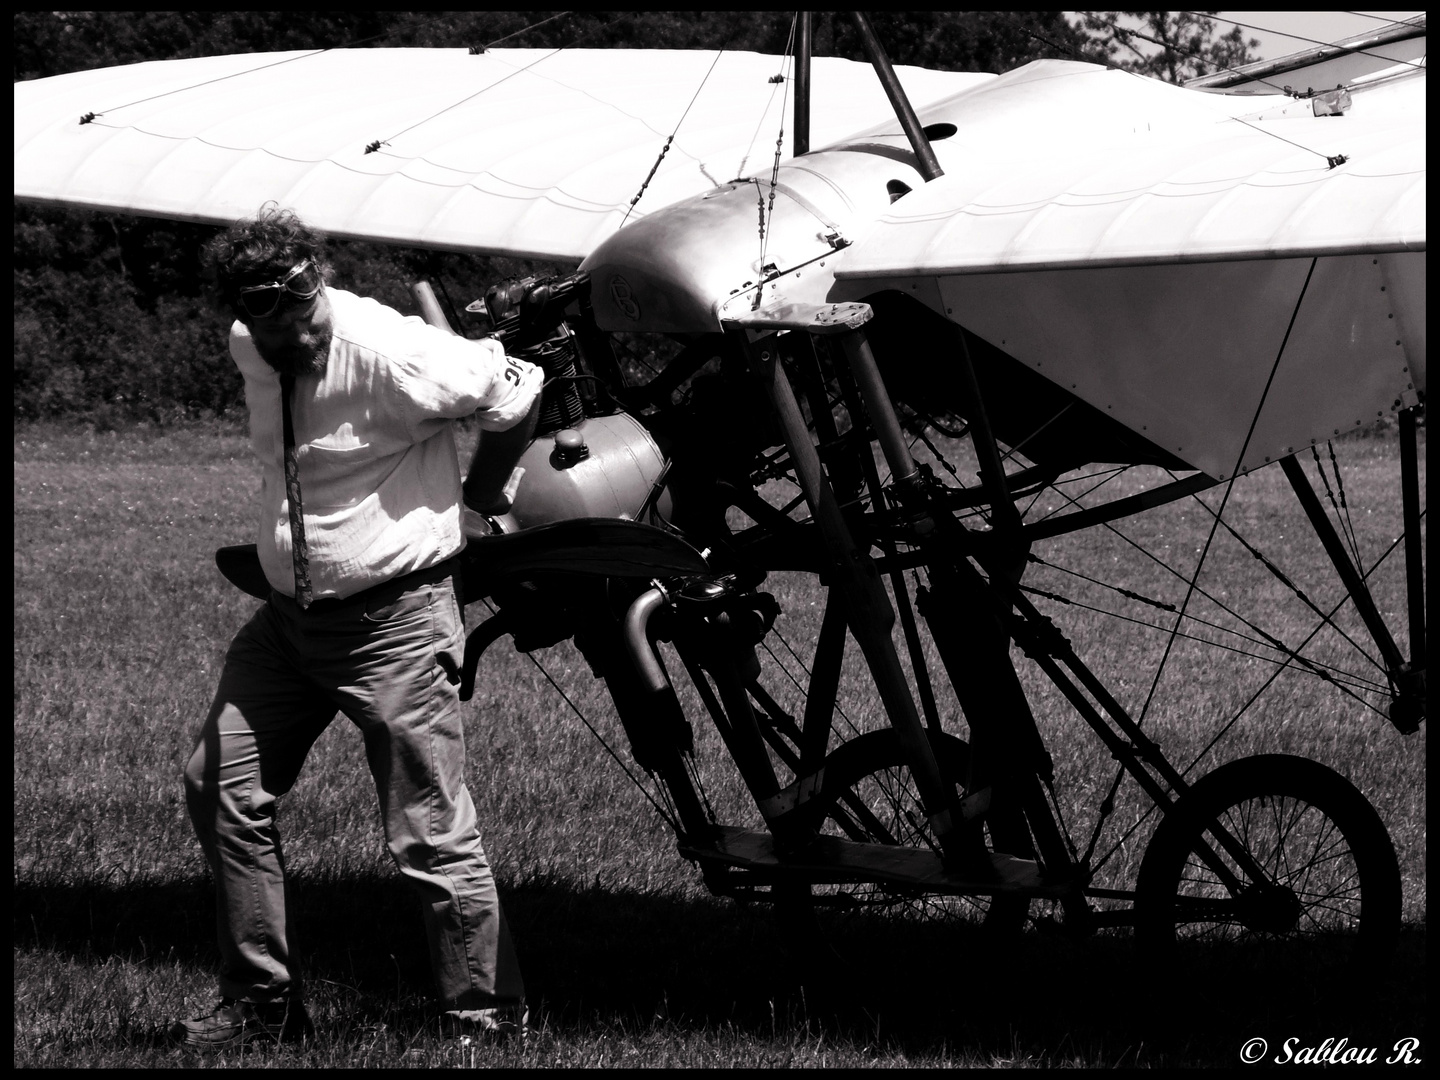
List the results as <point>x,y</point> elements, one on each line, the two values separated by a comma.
<point>351,416</point>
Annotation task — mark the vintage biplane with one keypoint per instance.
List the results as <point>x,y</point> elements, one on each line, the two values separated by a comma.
<point>935,332</point>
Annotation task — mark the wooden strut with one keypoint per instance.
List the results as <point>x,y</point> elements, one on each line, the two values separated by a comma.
<point>1349,575</point>
<point>910,486</point>
<point>1414,559</point>
<point>825,428</point>
<point>867,607</point>
<point>1408,704</point>
<point>825,671</point>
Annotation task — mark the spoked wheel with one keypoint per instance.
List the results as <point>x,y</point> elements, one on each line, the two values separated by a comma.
<point>868,796</point>
<point>1305,875</point>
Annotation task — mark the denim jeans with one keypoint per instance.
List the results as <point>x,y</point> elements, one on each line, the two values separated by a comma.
<point>390,661</point>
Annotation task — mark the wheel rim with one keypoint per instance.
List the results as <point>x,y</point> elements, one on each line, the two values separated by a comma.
<point>1314,887</point>
<point>882,805</point>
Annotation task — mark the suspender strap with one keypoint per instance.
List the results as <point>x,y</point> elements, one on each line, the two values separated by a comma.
<point>299,553</point>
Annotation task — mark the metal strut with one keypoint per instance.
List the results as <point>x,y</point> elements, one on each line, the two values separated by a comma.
<point>928,165</point>
<point>802,84</point>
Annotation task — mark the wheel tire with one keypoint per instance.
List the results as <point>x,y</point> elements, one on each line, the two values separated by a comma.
<point>871,768</point>
<point>1307,825</point>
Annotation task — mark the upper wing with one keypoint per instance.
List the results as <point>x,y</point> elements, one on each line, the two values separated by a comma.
<point>1229,281</point>
<point>1126,170</point>
<point>514,151</point>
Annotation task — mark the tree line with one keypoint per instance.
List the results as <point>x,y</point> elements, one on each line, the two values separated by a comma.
<point>110,323</point>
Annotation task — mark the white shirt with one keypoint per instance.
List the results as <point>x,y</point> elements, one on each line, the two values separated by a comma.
<point>379,475</point>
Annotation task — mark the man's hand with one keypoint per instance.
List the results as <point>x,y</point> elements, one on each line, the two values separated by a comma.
<point>489,475</point>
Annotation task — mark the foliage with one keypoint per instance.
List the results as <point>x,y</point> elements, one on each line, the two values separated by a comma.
<point>1170,45</point>
<point>109,321</point>
<point>111,326</point>
<point>49,43</point>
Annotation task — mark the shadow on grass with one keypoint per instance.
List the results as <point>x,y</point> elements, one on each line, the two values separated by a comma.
<point>597,959</point>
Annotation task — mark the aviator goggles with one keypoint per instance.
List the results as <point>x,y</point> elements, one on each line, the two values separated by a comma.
<point>262,301</point>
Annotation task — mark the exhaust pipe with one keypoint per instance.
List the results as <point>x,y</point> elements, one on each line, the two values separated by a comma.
<point>637,640</point>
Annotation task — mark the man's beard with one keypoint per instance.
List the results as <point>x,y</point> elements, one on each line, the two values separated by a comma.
<point>299,359</point>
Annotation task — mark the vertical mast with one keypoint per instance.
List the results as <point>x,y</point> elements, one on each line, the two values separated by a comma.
<point>802,85</point>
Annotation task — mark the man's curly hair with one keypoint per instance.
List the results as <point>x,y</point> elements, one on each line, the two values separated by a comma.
<point>256,250</point>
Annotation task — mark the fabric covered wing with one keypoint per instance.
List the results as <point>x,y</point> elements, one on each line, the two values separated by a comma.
<point>1109,169</point>
<point>514,151</point>
<point>1203,269</point>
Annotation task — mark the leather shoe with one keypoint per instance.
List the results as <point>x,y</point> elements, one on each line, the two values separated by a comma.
<point>235,1023</point>
<point>496,1026</point>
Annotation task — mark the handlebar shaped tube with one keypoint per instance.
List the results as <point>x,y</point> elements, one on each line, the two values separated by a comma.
<point>429,304</point>
<point>480,639</point>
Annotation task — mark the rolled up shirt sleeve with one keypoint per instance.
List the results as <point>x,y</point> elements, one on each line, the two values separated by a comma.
<point>444,377</point>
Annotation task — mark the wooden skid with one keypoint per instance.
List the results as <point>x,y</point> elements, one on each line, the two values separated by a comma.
<point>833,861</point>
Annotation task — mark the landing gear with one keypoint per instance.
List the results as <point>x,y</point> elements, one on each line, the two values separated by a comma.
<point>1267,857</point>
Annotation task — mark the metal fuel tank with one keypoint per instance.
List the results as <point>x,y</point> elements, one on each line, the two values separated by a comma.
<point>602,466</point>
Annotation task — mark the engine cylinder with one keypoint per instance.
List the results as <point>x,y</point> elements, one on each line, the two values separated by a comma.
<point>561,405</point>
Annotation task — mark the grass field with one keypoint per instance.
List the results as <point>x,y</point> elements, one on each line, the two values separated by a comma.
<point>121,621</point>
